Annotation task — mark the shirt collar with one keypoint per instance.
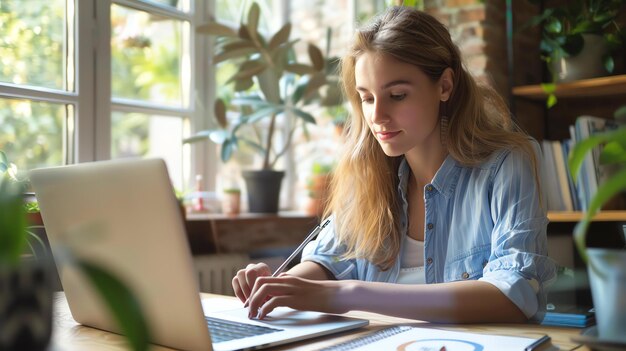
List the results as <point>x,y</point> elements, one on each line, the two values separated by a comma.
<point>445,179</point>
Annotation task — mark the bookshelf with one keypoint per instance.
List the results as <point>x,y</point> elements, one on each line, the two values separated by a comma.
<point>575,216</point>
<point>595,87</point>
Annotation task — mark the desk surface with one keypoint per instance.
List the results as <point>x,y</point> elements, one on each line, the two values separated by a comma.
<point>69,335</point>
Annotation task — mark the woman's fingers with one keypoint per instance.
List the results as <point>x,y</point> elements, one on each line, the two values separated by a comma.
<point>265,289</point>
<point>272,303</point>
<point>245,278</point>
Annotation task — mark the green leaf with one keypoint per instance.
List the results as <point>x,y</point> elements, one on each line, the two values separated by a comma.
<point>317,59</point>
<point>216,29</point>
<point>299,68</point>
<point>244,33</point>
<point>124,306</point>
<point>3,158</point>
<point>608,62</point>
<point>229,54</point>
<point>613,152</point>
<point>210,134</point>
<point>553,25</point>
<point>254,101</point>
<point>613,186</point>
<point>253,18</point>
<point>314,84</point>
<point>280,37</point>
<point>307,117</point>
<point>247,70</point>
<point>13,238</point>
<point>228,147</point>
<point>548,88</point>
<point>577,155</point>
<point>236,44</point>
<point>243,84</point>
<point>269,82</point>
<point>262,113</point>
<point>220,113</point>
<point>551,101</point>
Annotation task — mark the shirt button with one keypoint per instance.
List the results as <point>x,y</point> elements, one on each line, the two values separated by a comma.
<point>429,188</point>
<point>429,260</point>
<point>430,226</point>
<point>465,275</point>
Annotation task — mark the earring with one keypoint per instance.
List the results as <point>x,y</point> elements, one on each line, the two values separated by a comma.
<point>443,123</point>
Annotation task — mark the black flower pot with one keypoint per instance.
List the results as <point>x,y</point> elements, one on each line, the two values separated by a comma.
<point>25,305</point>
<point>263,190</point>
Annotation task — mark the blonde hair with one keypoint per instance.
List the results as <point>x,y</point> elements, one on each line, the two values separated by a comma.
<point>364,197</point>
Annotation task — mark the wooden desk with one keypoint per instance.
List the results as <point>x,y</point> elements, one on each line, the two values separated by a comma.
<point>69,335</point>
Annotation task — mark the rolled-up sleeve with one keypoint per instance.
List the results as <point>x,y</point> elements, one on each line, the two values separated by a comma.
<point>326,251</point>
<point>518,265</point>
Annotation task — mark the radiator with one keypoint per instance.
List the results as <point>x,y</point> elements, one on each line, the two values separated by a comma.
<point>215,272</point>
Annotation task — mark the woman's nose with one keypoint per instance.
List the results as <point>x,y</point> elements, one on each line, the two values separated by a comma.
<point>379,113</point>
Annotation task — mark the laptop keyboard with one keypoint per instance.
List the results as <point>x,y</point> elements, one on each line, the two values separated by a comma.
<point>223,330</point>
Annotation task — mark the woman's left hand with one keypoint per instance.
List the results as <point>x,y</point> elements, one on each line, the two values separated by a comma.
<point>297,293</point>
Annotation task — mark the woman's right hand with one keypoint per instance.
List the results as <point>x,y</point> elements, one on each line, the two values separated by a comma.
<point>243,282</point>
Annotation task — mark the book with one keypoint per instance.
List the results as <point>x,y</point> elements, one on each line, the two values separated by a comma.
<point>423,339</point>
<point>569,316</point>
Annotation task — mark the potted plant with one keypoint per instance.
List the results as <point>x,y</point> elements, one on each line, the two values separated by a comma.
<point>579,40</point>
<point>25,275</point>
<point>606,267</point>
<point>285,88</point>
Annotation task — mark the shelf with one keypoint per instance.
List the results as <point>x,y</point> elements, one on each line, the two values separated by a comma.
<point>604,216</point>
<point>603,86</point>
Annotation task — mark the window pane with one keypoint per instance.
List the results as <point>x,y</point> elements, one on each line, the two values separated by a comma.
<point>141,135</point>
<point>148,56</point>
<point>32,133</point>
<point>183,5</point>
<point>32,42</point>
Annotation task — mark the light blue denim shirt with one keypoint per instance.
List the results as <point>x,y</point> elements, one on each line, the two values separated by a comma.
<point>483,223</point>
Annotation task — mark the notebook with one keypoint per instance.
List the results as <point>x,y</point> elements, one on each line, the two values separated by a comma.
<point>407,338</point>
<point>123,215</point>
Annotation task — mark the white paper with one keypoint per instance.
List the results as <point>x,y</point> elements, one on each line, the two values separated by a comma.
<point>425,339</point>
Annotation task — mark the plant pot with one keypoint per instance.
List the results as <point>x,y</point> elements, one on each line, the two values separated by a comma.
<point>263,190</point>
<point>607,275</point>
<point>25,305</point>
<point>587,64</point>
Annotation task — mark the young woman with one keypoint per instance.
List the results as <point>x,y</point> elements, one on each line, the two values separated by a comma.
<point>435,204</point>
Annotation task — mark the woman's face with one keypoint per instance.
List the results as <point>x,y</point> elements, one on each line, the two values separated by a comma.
<point>399,102</point>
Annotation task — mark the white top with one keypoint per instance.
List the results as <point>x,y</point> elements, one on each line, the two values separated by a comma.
<point>412,262</point>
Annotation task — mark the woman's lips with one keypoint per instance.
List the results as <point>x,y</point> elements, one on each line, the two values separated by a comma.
<point>386,135</point>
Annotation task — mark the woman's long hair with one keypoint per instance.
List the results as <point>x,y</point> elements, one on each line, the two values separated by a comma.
<point>364,197</point>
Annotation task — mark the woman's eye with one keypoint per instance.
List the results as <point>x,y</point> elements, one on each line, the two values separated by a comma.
<point>398,97</point>
<point>367,100</point>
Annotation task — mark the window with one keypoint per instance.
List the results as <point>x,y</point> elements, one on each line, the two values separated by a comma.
<point>97,79</point>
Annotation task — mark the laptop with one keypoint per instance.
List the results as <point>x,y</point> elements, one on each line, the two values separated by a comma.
<point>124,216</point>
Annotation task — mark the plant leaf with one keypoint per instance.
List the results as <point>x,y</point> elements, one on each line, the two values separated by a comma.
<point>225,55</point>
<point>314,84</point>
<point>608,62</point>
<point>254,101</point>
<point>606,191</point>
<point>124,306</point>
<point>236,44</point>
<point>577,155</point>
<point>253,18</point>
<point>551,101</point>
<point>243,84</point>
<point>280,37</point>
<point>254,145</point>
<point>307,117</point>
<point>548,88</point>
<point>270,85</point>
<point>620,113</point>
<point>216,29</point>
<point>553,26</point>
<point>299,68</point>
<point>204,135</point>
<point>262,113</point>
<point>12,223</point>
<point>247,70</point>
<point>244,33</point>
<point>317,59</point>
<point>228,147</point>
<point>613,152</point>
<point>220,113</point>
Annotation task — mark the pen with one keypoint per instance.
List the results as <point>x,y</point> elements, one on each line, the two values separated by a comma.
<point>538,343</point>
<point>295,253</point>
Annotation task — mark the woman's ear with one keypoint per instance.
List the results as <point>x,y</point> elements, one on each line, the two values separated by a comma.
<point>446,82</point>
